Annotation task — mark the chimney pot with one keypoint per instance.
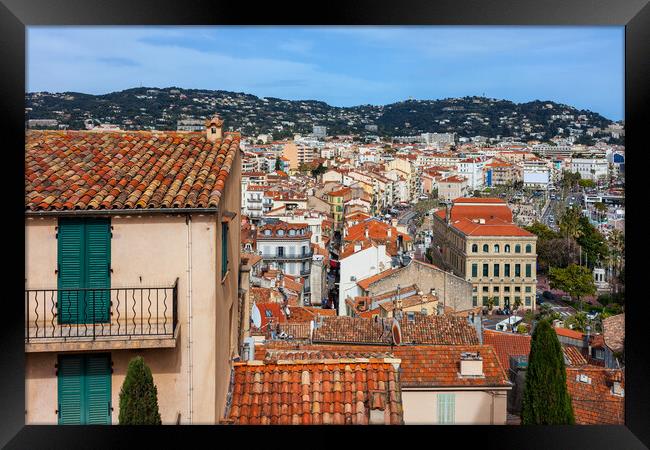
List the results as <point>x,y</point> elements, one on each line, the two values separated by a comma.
<point>213,128</point>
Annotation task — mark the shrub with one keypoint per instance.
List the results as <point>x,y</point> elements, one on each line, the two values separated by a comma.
<point>139,396</point>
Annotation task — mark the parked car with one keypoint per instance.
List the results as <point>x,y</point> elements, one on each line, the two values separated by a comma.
<point>593,315</point>
<point>548,295</point>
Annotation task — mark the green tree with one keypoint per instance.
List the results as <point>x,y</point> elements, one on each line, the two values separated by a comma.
<point>577,281</point>
<point>586,183</point>
<point>321,169</point>
<point>593,243</point>
<point>546,400</point>
<point>570,223</point>
<point>139,396</point>
<point>278,164</point>
<point>577,321</point>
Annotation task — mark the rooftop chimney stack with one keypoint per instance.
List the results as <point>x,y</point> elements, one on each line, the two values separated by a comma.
<point>213,128</point>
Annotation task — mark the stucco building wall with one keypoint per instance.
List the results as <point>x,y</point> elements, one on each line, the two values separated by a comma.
<point>472,407</point>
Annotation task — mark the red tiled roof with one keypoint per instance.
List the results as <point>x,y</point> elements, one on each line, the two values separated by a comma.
<point>68,170</point>
<point>366,282</point>
<point>593,402</point>
<point>569,333</point>
<point>439,366</point>
<point>614,332</point>
<point>492,227</point>
<point>431,330</point>
<point>573,356</point>
<point>336,393</point>
<point>507,345</point>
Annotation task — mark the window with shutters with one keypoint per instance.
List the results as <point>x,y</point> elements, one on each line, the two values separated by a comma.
<point>485,270</point>
<point>83,270</point>
<point>517,270</point>
<point>446,409</point>
<point>84,389</point>
<point>224,249</point>
<point>528,270</point>
<point>474,270</point>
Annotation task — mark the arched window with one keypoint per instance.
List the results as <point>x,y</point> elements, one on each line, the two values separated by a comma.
<point>474,248</point>
<point>517,248</point>
<point>506,248</point>
<point>292,232</point>
<point>529,248</point>
<point>486,248</point>
<point>267,232</point>
<point>496,248</point>
<point>280,232</point>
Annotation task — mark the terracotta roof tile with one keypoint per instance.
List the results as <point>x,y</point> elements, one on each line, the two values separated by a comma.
<point>83,170</point>
<point>507,345</point>
<point>593,400</point>
<point>614,332</point>
<point>313,392</point>
<point>433,330</point>
<point>439,365</point>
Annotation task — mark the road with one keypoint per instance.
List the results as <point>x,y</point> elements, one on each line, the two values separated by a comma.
<point>550,217</point>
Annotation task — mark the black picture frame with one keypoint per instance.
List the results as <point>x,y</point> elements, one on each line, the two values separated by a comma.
<point>15,15</point>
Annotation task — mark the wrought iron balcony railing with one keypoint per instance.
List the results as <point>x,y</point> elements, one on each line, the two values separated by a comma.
<point>288,257</point>
<point>100,314</point>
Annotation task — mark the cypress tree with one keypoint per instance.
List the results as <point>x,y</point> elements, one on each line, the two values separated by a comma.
<point>139,396</point>
<point>546,400</point>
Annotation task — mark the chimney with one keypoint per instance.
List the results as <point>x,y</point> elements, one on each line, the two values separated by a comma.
<point>389,233</point>
<point>366,232</point>
<point>213,128</point>
<point>471,364</point>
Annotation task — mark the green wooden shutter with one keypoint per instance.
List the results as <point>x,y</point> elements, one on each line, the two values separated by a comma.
<point>98,259</point>
<point>84,255</point>
<point>84,389</point>
<point>98,390</point>
<point>71,263</point>
<point>224,249</point>
<point>70,369</point>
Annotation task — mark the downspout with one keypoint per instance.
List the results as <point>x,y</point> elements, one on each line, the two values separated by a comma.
<point>188,223</point>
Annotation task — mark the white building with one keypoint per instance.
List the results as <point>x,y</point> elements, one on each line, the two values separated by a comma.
<point>590,168</point>
<point>357,266</point>
<point>286,247</point>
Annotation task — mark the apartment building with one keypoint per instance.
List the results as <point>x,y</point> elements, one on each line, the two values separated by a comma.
<point>114,269</point>
<point>477,239</point>
<point>287,247</point>
<point>453,187</point>
<point>590,168</point>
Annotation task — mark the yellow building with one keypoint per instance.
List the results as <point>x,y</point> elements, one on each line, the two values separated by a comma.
<point>477,240</point>
<point>337,199</point>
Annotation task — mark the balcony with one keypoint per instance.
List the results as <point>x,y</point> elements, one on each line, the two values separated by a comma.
<point>100,319</point>
<point>288,257</point>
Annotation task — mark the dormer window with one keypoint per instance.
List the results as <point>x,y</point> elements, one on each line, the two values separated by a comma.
<point>280,232</point>
<point>213,130</point>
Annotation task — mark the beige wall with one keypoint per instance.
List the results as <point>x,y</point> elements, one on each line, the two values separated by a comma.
<point>471,408</point>
<point>290,151</point>
<point>152,250</point>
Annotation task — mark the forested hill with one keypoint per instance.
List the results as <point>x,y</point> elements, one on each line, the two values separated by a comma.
<point>156,108</point>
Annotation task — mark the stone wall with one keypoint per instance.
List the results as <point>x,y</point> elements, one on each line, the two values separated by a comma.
<point>451,290</point>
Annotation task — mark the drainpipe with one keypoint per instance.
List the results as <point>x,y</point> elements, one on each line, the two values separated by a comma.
<point>188,223</point>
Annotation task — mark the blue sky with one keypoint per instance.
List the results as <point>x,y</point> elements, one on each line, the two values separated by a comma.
<point>343,66</point>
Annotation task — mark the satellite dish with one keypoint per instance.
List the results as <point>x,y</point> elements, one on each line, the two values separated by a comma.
<point>256,316</point>
<point>396,330</point>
